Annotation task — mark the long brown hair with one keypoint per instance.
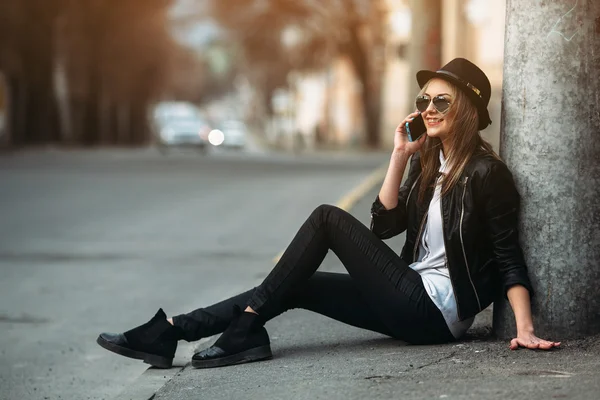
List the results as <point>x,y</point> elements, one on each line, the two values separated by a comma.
<point>463,142</point>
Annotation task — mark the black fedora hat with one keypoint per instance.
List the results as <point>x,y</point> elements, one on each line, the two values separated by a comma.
<point>470,79</point>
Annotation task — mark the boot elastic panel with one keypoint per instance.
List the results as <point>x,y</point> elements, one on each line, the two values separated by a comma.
<point>151,330</point>
<point>250,321</point>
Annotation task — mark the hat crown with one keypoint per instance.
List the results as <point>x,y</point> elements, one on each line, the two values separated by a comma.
<point>471,75</point>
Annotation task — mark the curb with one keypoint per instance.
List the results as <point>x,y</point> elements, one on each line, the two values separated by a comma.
<point>153,379</point>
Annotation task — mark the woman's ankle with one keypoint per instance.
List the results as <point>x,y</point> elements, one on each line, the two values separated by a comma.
<point>250,310</point>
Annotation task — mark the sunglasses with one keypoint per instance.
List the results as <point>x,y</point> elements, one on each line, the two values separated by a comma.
<point>440,103</point>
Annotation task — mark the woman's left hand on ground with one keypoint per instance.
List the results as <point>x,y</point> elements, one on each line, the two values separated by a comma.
<point>530,341</point>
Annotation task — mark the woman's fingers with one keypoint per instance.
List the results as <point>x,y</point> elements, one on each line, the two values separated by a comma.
<point>409,118</point>
<point>532,343</point>
<point>401,142</point>
<point>517,342</point>
<point>546,345</point>
<point>401,128</point>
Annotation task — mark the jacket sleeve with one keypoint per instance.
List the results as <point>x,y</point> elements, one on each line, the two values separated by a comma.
<point>502,203</point>
<point>388,223</point>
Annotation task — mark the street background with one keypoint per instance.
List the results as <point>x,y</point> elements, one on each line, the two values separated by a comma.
<point>98,241</point>
<point>161,153</point>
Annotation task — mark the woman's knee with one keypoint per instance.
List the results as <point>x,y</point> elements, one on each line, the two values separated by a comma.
<point>324,212</point>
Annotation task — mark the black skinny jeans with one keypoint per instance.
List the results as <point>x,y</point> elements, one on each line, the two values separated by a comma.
<point>380,292</point>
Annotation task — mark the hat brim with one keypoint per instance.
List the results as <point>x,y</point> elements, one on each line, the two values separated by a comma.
<point>425,76</point>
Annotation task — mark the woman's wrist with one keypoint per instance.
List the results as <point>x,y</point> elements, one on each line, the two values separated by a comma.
<point>400,155</point>
<point>525,329</point>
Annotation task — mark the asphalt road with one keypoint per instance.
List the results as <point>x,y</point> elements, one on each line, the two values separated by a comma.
<point>98,240</point>
<point>315,357</point>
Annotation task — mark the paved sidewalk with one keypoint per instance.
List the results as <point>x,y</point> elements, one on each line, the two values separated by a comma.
<point>318,358</point>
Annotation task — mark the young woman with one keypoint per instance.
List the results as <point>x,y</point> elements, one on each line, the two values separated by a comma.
<point>459,208</point>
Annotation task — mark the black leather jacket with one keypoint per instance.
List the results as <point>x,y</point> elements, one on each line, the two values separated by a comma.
<point>480,225</point>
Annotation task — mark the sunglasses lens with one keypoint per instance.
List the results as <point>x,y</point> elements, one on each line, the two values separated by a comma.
<point>440,104</point>
<point>422,103</point>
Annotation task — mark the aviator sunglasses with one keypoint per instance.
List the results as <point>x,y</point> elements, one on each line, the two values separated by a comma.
<point>440,103</point>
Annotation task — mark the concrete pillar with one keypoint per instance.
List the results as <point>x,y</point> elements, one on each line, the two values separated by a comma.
<point>424,46</point>
<point>550,139</point>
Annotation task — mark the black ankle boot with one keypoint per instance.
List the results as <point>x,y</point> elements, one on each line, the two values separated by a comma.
<point>154,342</point>
<point>243,341</point>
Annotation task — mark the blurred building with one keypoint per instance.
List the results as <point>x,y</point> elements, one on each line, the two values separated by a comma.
<point>327,105</point>
<point>473,29</point>
<point>324,107</point>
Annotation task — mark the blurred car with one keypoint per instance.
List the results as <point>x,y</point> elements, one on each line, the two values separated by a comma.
<point>230,133</point>
<point>180,124</point>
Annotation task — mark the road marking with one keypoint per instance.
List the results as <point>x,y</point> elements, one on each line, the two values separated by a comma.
<point>152,379</point>
<point>352,197</point>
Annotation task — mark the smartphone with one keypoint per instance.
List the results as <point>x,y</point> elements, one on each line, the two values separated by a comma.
<point>415,128</point>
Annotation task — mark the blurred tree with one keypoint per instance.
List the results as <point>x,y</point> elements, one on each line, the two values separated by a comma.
<point>26,58</point>
<point>278,36</point>
<point>200,77</point>
<point>117,60</point>
<point>113,56</point>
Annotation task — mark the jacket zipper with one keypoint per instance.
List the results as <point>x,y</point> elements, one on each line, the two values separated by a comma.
<point>419,236</point>
<point>462,214</point>
<point>422,222</point>
<point>407,199</point>
<point>446,260</point>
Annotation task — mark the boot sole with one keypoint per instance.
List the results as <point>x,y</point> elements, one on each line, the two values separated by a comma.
<point>255,354</point>
<point>152,359</point>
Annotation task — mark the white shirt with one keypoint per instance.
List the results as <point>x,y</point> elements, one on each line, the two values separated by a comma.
<point>431,265</point>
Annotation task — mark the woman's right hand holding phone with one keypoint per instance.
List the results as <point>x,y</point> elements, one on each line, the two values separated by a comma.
<point>401,143</point>
<point>403,149</point>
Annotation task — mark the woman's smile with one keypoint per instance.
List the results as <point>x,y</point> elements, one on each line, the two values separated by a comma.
<point>433,122</point>
<point>436,126</point>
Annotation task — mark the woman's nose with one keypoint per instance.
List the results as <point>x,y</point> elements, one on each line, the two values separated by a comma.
<point>430,108</point>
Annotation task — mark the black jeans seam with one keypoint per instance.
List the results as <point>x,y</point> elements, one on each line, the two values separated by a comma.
<point>252,303</point>
<point>388,279</point>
